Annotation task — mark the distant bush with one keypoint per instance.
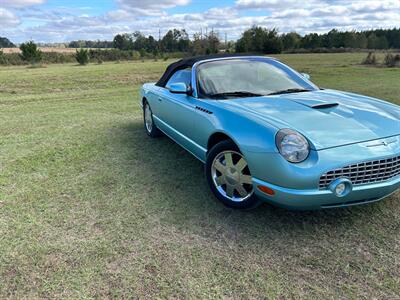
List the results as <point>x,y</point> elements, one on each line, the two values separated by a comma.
<point>143,53</point>
<point>392,60</point>
<point>82,56</point>
<point>370,59</point>
<point>135,55</point>
<point>95,55</point>
<point>113,54</point>
<point>11,59</point>
<point>2,58</point>
<point>58,58</point>
<point>322,50</point>
<point>30,52</point>
<point>397,59</point>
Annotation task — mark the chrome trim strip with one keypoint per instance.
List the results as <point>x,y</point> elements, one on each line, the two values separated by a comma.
<point>182,136</point>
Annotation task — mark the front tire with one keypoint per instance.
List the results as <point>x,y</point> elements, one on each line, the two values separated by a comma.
<point>149,125</point>
<point>229,177</point>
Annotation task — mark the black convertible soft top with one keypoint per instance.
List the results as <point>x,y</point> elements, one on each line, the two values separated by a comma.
<point>188,63</point>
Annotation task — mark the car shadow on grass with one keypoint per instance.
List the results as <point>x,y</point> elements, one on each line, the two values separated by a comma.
<point>177,191</point>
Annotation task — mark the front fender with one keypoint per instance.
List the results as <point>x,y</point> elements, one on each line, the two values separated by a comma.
<point>249,134</point>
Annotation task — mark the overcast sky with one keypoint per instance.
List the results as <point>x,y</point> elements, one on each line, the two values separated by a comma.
<point>66,20</point>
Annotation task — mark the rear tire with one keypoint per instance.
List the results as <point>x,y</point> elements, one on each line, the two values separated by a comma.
<point>149,125</point>
<point>229,177</point>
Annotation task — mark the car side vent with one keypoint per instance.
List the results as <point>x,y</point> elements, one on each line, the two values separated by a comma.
<point>204,110</point>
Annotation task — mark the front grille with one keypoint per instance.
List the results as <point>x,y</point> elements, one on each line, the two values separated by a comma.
<point>365,172</point>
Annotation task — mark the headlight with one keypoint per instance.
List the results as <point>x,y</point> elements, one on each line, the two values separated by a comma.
<point>292,145</point>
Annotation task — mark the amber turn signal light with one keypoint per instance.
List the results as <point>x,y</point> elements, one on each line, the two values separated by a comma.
<point>266,190</point>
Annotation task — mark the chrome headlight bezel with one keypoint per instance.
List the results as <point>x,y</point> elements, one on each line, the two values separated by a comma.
<point>300,149</point>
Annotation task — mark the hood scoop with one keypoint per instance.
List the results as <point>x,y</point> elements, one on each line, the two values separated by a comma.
<point>316,104</point>
<point>324,105</point>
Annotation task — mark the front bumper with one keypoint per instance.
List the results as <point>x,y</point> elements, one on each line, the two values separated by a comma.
<point>318,199</point>
<point>296,186</point>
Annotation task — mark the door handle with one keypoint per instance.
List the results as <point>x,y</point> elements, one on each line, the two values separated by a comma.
<point>160,99</point>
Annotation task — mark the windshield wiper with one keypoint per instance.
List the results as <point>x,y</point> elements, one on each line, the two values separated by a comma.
<point>234,94</point>
<point>289,91</point>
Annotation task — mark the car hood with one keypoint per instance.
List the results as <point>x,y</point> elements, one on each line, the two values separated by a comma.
<point>327,118</point>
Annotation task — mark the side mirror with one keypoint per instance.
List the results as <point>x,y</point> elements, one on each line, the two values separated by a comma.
<point>306,76</point>
<point>179,88</point>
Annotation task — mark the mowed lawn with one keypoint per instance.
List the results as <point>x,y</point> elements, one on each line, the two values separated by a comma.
<point>90,207</point>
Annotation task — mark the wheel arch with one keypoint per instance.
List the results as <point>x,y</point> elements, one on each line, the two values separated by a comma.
<point>144,99</point>
<point>218,137</point>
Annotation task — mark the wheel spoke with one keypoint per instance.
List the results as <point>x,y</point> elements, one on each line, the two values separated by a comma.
<point>220,180</point>
<point>242,192</point>
<point>246,179</point>
<point>229,190</point>
<point>220,167</point>
<point>241,164</point>
<point>228,160</point>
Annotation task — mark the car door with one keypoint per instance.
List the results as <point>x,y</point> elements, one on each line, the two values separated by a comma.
<point>177,111</point>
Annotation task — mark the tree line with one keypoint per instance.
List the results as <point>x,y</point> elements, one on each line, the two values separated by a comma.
<point>175,40</point>
<point>256,39</point>
<point>260,40</point>
<point>90,44</point>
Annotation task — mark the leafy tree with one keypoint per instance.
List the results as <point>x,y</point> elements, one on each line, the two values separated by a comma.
<point>30,52</point>
<point>152,44</point>
<point>139,41</point>
<point>175,41</point>
<point>382,43</point>
<point>198,44</point>
<point>377,42</point>
<point>183,40</point>
<point>360,41</point>
<point>82,56</point>
<point>142,53</point>
<point>311,41</point>
<point>212,43</point>
<point>204,45</point>
<point>244,44</point>
<point>291,40</point>
<point>118,42</point>
<point>6,43</point>
<point>333,39</point>
<point>123,42</point>
<point>393,37</point>
<point>272,43</point>
<point>259,39</point>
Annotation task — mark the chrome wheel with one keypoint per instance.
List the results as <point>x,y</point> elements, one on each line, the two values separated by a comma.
<point>231,176</point>
<point>148,118</point>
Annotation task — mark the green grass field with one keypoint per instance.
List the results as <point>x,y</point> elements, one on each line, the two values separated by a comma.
<point>90,207</point>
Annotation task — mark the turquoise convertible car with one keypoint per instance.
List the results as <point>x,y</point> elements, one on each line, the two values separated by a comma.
<point>267,133</point>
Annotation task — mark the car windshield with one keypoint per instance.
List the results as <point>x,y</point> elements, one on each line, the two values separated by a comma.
<point>248,77</point>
